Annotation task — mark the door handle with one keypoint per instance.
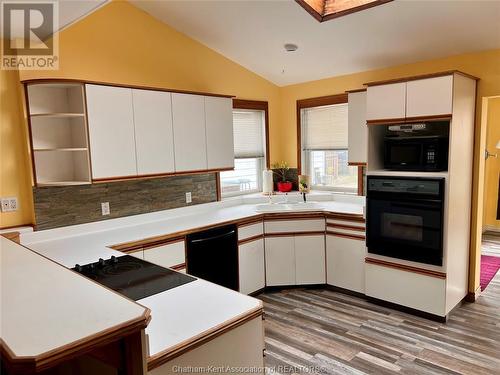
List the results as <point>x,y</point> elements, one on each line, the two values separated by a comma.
<point>214,237</point>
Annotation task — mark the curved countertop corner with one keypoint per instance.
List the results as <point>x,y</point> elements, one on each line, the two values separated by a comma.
<point>49,312</point>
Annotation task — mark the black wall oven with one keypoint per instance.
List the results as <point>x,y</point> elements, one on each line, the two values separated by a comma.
<point>404,218</point>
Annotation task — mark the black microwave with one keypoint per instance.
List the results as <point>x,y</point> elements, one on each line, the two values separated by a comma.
<point>416,147</point>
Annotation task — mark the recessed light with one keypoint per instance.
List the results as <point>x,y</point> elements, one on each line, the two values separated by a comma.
<point>290,47</point>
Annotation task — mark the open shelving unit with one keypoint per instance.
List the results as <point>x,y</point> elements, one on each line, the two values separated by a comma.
<point>59,134</point>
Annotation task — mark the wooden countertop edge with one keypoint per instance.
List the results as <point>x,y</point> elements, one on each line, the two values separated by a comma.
<point>130,246</point>
<point>167,355</point>
<point>43,361</point>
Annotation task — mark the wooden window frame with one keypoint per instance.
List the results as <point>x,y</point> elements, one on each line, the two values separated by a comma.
<point>318,102</point>
<point>258,105</point>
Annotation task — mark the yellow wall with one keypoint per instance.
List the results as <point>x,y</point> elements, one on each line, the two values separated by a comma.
<point>492,165</point>
<point>15,178</point>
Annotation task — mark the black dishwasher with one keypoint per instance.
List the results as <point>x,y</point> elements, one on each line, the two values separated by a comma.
<point>212,255</point>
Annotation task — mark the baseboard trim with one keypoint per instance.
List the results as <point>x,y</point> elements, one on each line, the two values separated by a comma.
<point>472,296</point>
<point>409,310</point>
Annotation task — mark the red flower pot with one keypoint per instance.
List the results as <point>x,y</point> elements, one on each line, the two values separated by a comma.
<point>284,187</point>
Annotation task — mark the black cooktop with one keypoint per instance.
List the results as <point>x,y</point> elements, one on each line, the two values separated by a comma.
<point>133,277</point>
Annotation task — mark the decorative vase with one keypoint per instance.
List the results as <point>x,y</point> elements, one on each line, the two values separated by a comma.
<point>284,186</point>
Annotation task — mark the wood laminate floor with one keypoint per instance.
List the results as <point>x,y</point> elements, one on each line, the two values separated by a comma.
<point>491,244</point>
<point>324,332</point>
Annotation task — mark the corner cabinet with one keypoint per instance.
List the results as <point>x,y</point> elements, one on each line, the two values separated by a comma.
<point>84,132</point>
<point>295,251</point>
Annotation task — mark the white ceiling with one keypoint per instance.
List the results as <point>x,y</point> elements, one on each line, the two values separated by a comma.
<point>252,33</point>
<point>70,11</point>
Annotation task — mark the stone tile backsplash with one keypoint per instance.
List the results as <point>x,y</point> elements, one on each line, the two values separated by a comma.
<point>69,205</point>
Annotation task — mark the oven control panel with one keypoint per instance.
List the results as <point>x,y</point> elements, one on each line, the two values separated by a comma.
<point>416,186</point>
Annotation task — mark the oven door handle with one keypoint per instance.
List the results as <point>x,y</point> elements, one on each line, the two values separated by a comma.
<point>421,205</point>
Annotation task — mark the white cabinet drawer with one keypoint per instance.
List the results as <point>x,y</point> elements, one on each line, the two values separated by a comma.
<point>406,288</point>
<point>294,226</point>
<point>170,255</point>
<point>251,266</point>
<point>250,230</point>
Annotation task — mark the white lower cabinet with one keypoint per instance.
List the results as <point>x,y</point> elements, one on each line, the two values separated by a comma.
<point>310,259</point>
<point>231,352</point>
<point>345,263</point>
<point>410,289</point>
<point>295,260</point>
<point>169,255</point>
<point>280,261</point>
<point>252,275</point>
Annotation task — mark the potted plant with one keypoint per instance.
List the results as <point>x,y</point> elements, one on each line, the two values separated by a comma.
<point>281,170</point>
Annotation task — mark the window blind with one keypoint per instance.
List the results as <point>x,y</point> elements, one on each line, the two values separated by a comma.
<point>324,128</point>
<point>248,127</point>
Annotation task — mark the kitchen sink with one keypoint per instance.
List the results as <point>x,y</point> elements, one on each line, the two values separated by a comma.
<point>283,207</point>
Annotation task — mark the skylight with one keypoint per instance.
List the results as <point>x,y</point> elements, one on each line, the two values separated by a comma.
<point>324,10</point>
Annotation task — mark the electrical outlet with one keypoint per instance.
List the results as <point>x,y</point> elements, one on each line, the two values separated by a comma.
<point>5,205</point>
<point>13,203</point>
<point>9,204</point>
<point>105,208</point>
<point>188,197</point>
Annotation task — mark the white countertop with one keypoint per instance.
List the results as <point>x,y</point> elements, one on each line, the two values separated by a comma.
<point>175,313</point>
<point>45,306</point>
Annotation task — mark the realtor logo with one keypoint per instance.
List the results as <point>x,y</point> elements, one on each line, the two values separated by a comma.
<point>29,38</point>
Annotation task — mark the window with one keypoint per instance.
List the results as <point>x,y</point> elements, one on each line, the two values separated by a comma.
<point>249,126</point>
<point>324,153</point>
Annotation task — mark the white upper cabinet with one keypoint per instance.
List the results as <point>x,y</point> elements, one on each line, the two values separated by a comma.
<point>111,131</point>
<point>219,128</point>
<point>153,131</point>
<point>386,101</point>
<point>357,131</point>
<point>429,97</point>
<point>190,143</point>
